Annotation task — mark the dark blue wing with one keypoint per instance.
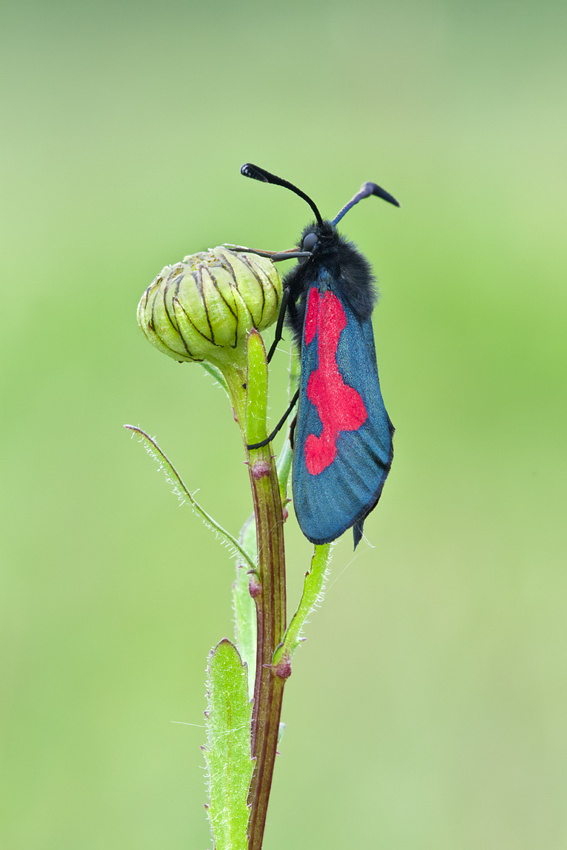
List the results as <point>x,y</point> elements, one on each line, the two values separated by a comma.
<point>339,496</point>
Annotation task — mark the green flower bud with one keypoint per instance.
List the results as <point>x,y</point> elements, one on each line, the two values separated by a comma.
<point>204,307</point>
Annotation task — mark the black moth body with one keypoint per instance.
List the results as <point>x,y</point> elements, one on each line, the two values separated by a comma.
<point>343,262</point>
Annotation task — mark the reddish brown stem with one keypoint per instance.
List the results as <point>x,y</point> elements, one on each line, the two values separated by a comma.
<point>270,612</point>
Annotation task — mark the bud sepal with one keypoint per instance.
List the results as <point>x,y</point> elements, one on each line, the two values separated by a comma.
<point>203,308</point>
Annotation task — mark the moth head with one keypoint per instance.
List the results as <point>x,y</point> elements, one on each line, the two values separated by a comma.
<point>309,241</point>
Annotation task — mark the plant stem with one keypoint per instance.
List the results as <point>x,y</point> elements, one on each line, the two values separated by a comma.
<point>270,610</point>
<point>267,582</point>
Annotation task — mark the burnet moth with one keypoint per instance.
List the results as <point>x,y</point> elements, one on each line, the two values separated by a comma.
<point>343,435</point>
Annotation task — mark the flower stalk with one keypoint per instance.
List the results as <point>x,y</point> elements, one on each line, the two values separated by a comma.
<point>249,396</point>
<point>268,590</point>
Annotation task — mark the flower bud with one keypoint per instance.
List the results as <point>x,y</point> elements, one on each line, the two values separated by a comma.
<point>204,307</point>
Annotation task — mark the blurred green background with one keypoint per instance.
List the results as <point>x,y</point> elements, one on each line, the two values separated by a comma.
<point>428,707</point>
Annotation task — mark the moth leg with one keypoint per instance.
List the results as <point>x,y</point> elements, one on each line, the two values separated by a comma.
<point>290,255</point>
<point>292,428</point>
<point>274,256</point>
<point>279,327</point>
<point>243,249</point>
<point>278,426</point>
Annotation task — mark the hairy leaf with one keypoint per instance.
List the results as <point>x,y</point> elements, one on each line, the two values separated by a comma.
<point>227,753</point>
<point>244,607</point>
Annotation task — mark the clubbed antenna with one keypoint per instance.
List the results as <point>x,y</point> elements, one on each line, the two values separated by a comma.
<point>366,190</point>
<point>257,173</point>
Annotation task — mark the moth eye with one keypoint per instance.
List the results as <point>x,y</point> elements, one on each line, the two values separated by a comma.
<point>309,242</point>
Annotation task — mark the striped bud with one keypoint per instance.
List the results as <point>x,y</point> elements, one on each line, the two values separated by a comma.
<point>204,307</point>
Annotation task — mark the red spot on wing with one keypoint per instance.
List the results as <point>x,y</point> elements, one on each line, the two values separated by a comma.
<point>339,406</point>
<point>311,315</point>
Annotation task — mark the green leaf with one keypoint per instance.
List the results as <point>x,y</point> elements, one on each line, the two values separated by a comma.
<point>180,490</point>
<point>244,606</point>
<point>256,390</point>
<point>283,466</point>
<point>216,374</point>
<point>227,753</point>
<point>285,458</point>
<point>313,591</point>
